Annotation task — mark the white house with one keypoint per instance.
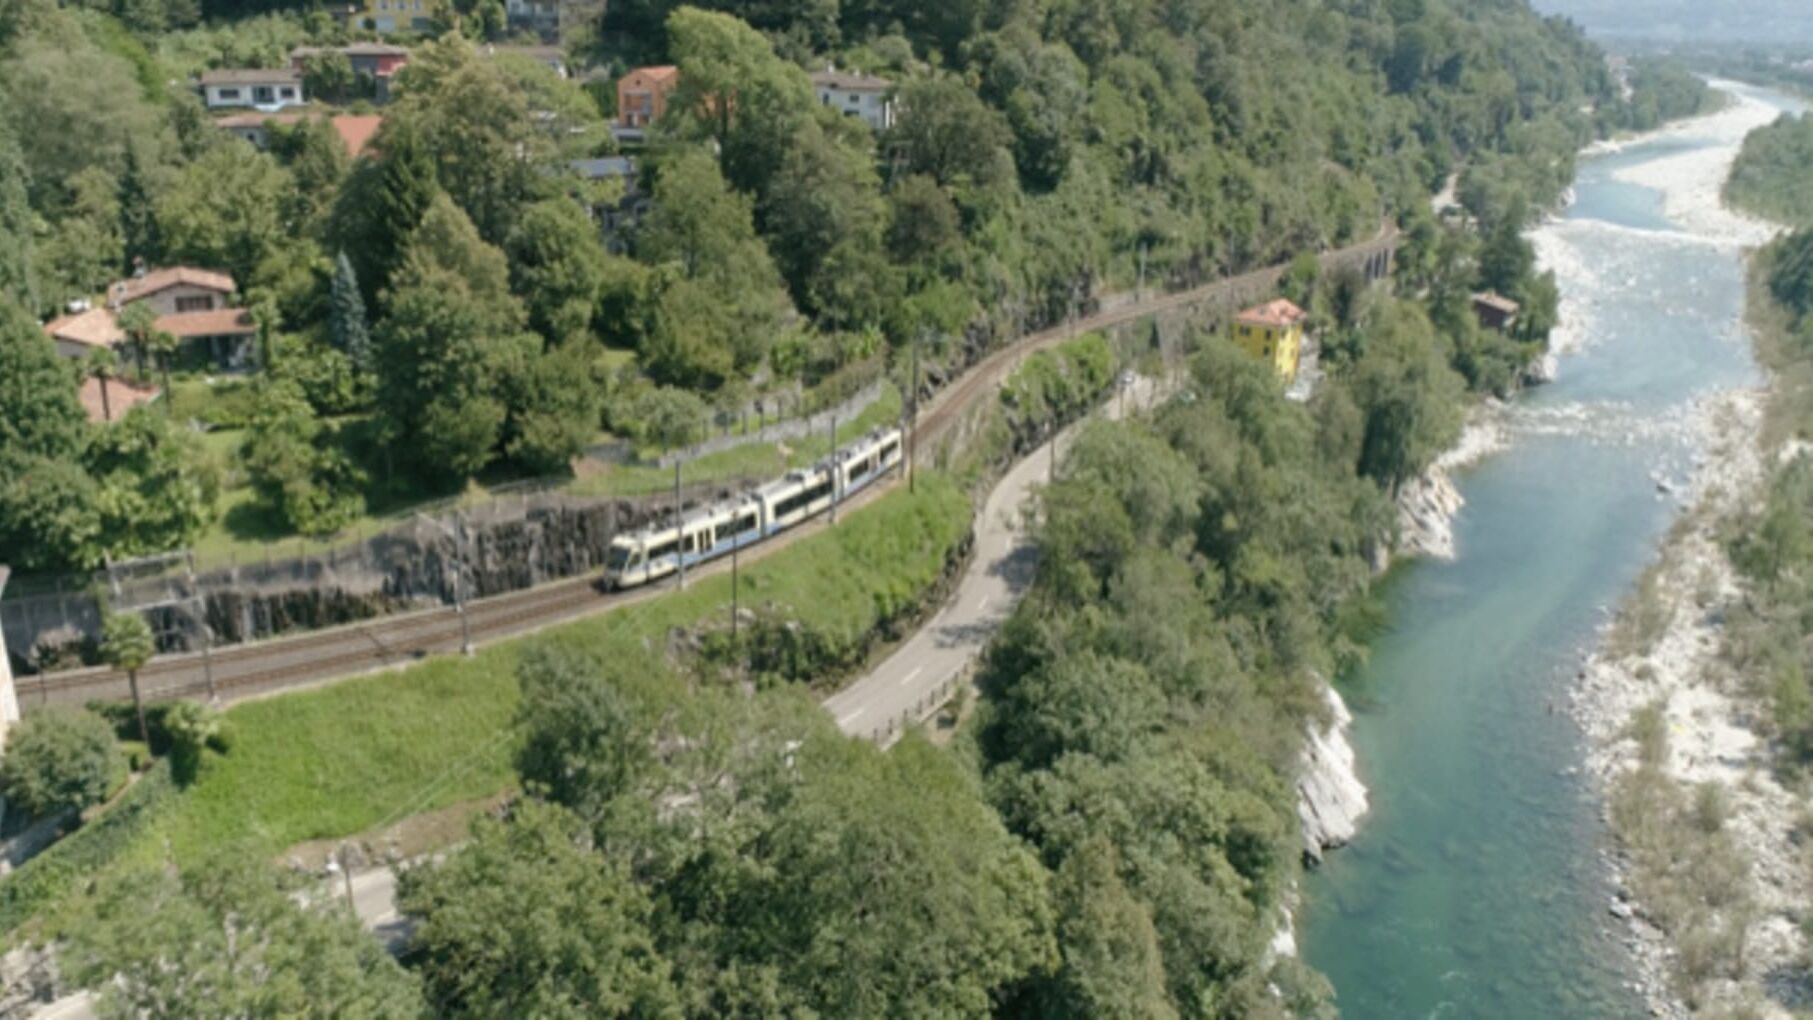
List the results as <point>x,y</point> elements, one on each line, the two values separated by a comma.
<point>266,89</point>
<point>856,95</point>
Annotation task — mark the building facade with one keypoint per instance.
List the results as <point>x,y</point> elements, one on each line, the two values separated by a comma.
<point>266,89</point>
<point>856,95</point>
<point>642,96</point>
<point>1273,333</point>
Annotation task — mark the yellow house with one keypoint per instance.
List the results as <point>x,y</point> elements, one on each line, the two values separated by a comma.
<point>1273,333</point>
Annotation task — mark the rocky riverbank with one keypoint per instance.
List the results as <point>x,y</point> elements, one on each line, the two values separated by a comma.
<point>1664,654</point>
<point>1711,878</point>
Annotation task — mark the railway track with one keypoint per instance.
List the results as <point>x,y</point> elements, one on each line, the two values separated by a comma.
<point>251,670</point>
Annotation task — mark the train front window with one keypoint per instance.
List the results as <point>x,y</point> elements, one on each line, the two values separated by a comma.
<point>620,558</point>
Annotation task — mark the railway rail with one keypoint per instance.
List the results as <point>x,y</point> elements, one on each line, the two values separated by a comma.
<point>284,663</point>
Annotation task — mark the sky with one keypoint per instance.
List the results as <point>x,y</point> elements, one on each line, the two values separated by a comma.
<point>1724,21</point>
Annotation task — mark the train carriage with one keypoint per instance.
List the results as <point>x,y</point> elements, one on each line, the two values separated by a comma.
<point>656,552</point>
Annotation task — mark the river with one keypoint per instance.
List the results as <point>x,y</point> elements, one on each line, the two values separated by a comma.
<point>1476,888</point>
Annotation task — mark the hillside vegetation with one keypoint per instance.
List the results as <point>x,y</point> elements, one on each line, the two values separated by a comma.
<point>1770,177</point>
<point>1114,835</point>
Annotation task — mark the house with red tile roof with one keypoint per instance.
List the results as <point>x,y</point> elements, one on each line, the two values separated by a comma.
<point>191,305</point>
<point>1273,333</point>
<point>642,95</point>
<point>174,289</point>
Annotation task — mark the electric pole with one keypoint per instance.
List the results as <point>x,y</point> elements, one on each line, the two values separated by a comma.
<point>913,419</point>
<point>679,528</point>
<point>836,469</point>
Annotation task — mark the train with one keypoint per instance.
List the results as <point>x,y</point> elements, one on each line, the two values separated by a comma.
<point>646,556</point>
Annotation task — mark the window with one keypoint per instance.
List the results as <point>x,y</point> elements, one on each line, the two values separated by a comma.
<point>195,304</point>
<point>228,93</point>
<point>742,525</point>
<point>286,92</point>
<point>664,549</point>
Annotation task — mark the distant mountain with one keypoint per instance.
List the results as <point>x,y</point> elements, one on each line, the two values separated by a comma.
<point>1758,21</point>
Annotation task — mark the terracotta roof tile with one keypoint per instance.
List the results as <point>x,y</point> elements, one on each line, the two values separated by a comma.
<point>218,322</point>
<point>127,291</point>
<point>95,327</point>
<point>1279,314</point>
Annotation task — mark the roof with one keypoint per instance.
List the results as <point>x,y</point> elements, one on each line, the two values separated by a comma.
<point>356,130</point>
<point>95,327</point>
<point>251,76</point>
<point>256,120</point>
<point>850,81</point>
<point>122,396</point>
<point>1497,302</point>
<point>127,291</point>
<point>216,322</point>
<point>358,49</point>
<point>604,167</point>
<point>659,72</point>
<point>1279,314</point>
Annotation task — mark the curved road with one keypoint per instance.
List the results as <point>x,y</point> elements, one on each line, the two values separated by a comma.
<point>910,684</point>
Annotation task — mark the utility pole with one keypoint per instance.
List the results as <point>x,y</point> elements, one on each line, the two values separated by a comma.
<point>913,420</point>
<point>679,528</point>
<point>736,543</point>
<point>836,469</point>
<point>207,632</point>
<point>1139,289</point>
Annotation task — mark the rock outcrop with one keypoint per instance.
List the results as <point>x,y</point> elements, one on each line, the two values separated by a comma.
<point>1330,797</point>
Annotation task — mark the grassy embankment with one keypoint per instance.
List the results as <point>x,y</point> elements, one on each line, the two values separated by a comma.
<point>343,759</point>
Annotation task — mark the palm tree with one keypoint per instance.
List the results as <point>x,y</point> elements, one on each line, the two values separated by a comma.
<point>138,321</point>
<point>165,346</point>
<point>101,363</point>
<point>126,643</point>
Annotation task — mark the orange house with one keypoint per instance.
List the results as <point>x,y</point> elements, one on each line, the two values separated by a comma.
<point>642,95</point>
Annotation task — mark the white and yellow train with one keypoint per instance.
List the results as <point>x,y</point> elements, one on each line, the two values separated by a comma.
<point>705,534</point>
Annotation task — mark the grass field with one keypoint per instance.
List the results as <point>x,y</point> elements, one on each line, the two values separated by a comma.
<point>346,758</point>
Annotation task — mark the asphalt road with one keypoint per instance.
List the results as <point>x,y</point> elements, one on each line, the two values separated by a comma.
<point>909,685</point>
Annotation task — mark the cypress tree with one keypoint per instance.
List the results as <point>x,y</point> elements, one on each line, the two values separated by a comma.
<point>406,187</point>
<point>346,311</point>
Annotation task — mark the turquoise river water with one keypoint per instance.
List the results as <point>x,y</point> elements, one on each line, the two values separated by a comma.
<point>1475,887</point>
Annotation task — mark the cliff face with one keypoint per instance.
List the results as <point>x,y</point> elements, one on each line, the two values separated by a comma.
<point>1330,797</point>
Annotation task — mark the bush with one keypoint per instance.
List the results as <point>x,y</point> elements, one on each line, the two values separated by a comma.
<point>192,728</point>
<point>60,759</point>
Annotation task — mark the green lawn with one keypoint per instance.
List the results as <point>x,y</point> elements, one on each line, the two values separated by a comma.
<point>343,759</point>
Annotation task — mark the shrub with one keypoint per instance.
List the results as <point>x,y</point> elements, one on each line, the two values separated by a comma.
<point>60,759</point>
<point>192,728</point>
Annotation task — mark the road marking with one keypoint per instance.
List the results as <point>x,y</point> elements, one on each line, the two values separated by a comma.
<point>852,717</point>
<point>909,677</point>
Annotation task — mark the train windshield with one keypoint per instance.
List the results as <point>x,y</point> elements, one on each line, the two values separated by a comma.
<point>621,557</point>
